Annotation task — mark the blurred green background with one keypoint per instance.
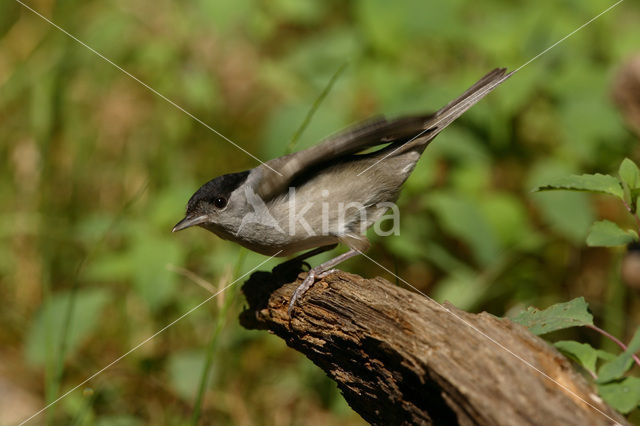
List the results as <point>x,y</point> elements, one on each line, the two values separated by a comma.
<point>96,169</point>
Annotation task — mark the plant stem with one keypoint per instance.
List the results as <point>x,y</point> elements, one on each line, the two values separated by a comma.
<point>616,340</point>
<point>635,215</point>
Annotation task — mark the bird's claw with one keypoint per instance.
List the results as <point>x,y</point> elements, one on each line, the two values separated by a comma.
<point>302,288</point>
<point>306,284</point>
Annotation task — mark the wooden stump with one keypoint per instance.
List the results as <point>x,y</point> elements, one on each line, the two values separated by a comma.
<point>400,358</point>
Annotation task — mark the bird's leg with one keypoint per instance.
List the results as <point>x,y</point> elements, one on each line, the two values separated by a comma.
<point>319,271</point>
<point>296,263</point>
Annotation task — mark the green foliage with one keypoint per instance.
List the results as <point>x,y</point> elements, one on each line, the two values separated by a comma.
<point>605,233</point>
<point>622,393</point>
<point>583,353</point>
<point>629,174</point>
<point>615,368</point>
<point>557,317</point>
<point>604,184</point>
<point>630,179</point>
<point>43,337</point>
<point>624,396</point>
<point>570,214</point>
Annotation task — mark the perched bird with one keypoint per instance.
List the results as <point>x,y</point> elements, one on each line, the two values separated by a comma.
<point>327,194</point>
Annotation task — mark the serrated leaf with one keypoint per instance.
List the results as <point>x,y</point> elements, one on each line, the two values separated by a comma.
<point>583,353</point>
<point>605,233</point>
<point>556,317</point>
<point>604,184</point>
<point>615,369</point>
<point>629,173</point>
<point>624,396</point>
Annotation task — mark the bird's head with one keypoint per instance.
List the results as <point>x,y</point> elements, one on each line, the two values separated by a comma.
<point>216,204</point>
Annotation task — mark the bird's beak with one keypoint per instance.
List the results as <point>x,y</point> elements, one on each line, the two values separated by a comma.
<point>188,222</point>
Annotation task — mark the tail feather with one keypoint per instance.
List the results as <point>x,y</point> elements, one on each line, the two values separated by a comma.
<point>433,124</point>
<point>470,97</point>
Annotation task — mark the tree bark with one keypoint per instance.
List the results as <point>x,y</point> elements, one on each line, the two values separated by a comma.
<point>400,358</point>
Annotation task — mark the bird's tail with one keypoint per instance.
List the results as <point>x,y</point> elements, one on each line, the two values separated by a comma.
<point>437,122</point>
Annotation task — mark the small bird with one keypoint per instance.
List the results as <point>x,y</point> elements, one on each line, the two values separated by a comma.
<point>327,194</point>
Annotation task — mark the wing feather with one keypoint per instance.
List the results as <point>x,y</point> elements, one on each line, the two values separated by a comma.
<point>375,132</point>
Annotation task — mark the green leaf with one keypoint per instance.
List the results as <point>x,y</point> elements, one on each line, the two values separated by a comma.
<point>604,355</point>
<point>615,369</point>
<point>570,214</point>
<point>583,353</point>
<point>591,183</point>
<point>629,173</point>
<point>46,330</point>
<point>624,396</point>
<point>556,317</point>
<point>630,177</point>
<point>605,233</point>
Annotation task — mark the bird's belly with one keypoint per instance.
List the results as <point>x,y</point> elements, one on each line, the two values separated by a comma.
<point>271,242</point>
<point>290,248</point>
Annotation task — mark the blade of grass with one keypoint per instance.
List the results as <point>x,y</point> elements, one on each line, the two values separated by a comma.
<point>314,108</point>
<point>211,349</point>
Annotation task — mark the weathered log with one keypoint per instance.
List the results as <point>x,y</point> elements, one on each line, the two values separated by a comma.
<point>400,358</point>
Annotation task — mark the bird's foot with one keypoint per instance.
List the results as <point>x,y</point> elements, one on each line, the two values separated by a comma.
<point>313,275</point>
<point>326,273</point>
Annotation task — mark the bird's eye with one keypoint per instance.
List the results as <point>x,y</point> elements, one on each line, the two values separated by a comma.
<point>220,202</point>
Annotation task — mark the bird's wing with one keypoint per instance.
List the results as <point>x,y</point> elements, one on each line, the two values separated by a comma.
<point>276,175</point>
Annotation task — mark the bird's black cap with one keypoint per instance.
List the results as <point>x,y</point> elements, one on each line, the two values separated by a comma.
<point>218,188</point>
<point>222,186</point>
